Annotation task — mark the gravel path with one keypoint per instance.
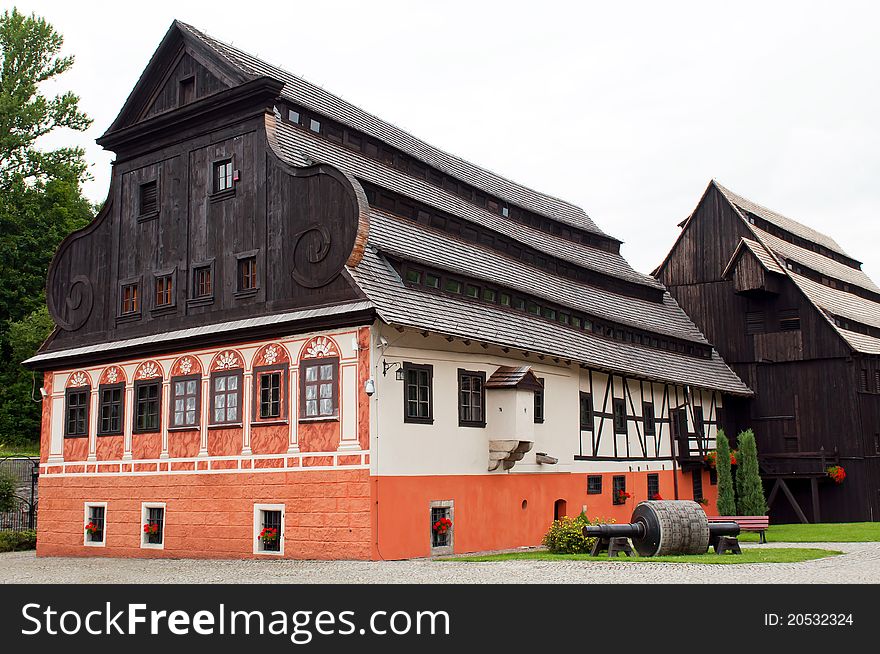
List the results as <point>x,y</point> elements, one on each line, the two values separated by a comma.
<point>860,563</point>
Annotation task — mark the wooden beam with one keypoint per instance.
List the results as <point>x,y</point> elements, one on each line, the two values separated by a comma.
<point>814,491</point>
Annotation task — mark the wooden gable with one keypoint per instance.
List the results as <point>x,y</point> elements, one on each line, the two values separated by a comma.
<point>181,71</point>
<point>750,272</point>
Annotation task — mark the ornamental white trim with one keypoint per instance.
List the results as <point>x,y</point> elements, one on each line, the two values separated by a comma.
<point>320,347</point>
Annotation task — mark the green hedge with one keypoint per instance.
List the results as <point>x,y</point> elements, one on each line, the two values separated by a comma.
<point>16,541</point>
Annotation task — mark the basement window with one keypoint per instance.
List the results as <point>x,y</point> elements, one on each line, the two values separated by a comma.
<point>618,487</point>
<point>653,487</point>
<point>93,529</point>
<point>441,526</point>
<point>269,529</point>
<point>153,525</point>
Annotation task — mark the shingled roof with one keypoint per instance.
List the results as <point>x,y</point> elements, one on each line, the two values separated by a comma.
<point>853,297</point>
<point>630,325</point>
<point>314,97</point>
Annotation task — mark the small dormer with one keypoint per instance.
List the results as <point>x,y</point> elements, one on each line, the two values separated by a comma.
<point>510,400</point>
<point>755,271</point>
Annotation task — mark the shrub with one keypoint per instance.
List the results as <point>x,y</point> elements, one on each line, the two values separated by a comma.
<point>726,502</point>
<point>566,536</point>
<point>16,541</point>
<point>7,492</point>
<point>749,489</point>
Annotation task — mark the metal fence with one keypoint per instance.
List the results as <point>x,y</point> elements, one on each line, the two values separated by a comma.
<point>24,472</point>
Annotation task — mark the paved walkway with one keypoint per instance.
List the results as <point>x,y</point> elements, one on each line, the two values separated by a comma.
<point>859,564</point>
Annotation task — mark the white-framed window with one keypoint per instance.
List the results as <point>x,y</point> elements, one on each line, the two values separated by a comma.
<point>269,529</point>
<point>442,526</point>
<point>95,524</point>
<point>153,525</point>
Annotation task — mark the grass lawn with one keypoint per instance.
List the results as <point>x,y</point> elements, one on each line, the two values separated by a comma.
<point>844,532</point>
<point>33,450</point>
<point>749,555</point>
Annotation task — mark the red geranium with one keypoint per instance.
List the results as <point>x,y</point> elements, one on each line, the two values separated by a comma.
<point>733,455</point>
<point>837,473</point>
<point>269,535</point>
<point>711,458</point>
<point>443,525</point>
<point>656,496</point>
<point>151,528</point>
<point>622,496</point>
<point>92,528</point>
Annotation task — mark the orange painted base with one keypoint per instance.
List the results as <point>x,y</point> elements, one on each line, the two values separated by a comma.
<point>494,512</point>
<point>327,514</point>
<point>336,514</point>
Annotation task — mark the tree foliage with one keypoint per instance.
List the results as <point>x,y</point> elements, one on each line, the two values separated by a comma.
<point>726,501</point>
<point>749,489</point>
<point>40,203</point>
<point>30,49</point>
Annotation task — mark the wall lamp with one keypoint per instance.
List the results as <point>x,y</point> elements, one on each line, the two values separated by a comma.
<point>398,375</point>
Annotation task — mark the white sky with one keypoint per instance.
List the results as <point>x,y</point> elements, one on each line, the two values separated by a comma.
<point>626,109</point>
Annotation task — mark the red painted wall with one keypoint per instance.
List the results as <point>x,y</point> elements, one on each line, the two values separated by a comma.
<point>211,515</point>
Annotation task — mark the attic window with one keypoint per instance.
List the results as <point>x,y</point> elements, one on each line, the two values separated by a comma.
<point>505,211</point>
<point>186,91</point>
<point>293,116</point>
<point>148,199</point>
<point>315,125</point>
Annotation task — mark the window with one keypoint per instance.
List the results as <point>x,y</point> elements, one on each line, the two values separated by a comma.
<point>293,116</point>
<point>203,285</point>
<point>164,290</point>
<point>472,291</point>
<point>76,412</point>
<point>223,175</point>
<point>148,199</point>
<point>618,487</point>
<point>539,403</point>
<point>754,322</point>
<point>586,412</point>
<point>268,529</point>
<point>653,487</point>
<point>153,528</point>
<point>452,286</point>
<point>863,380</point>
<point>619,416</point>
<point>413,276</point>
<point>594,484</point>
<point>432,281</point>
<point>269,389</point>
<point>130,303</point>
<point>226,397</point>
<point>95,524</point>
<point>697,481</point>
<point>146,412</point>
<point>419,396</point>
<point>320,390</point>
<point>648,417</point>
<point>877,381</point>
<point>489,294</point>
<point>247,274</point>
<point>186,90</point>
<point>441,526</point>
<point>185,401</point>
<point>505,299</point>
<point>110,407</point>
<point>789,320</point>
<point>471,398</point>
<point>505,212</point>
<point>315,125</point>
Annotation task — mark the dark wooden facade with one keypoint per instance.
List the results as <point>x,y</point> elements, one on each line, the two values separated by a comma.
<point>812,407</point>
<point>300,226</point>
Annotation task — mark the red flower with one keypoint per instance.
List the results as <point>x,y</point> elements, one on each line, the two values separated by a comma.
<point>92,528</point>
<point>656,496</point>
<point>442,525</point>
<point>269,535</point>
<point>837,474</point>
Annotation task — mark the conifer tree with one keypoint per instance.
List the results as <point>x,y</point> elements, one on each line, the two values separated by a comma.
<point>749,490</point>
<point>726,502</point>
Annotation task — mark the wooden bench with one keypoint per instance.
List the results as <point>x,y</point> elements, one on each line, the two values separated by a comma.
<point>758,523</point>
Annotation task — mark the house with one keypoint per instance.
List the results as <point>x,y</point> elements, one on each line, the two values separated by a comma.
<point>296,330</point>
<point>799,321</point>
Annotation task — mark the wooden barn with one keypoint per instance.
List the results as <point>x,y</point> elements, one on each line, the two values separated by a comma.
<point>799,321</point>
<point>296,330</point>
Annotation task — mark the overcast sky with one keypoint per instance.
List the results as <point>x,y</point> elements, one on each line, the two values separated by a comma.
<point>626,109</point>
